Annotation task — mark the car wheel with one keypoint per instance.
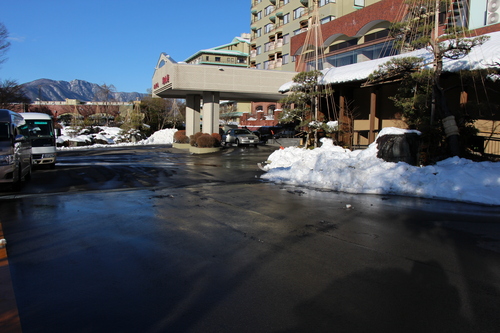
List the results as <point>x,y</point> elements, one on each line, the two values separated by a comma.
<point>237,142</point>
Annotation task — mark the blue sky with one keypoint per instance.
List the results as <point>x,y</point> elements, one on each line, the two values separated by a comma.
<point>112,41</point>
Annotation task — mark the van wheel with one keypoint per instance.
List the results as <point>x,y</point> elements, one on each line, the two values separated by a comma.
<point>16,185</point>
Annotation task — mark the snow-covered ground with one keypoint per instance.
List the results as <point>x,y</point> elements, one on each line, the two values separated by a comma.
<point>360,171</point>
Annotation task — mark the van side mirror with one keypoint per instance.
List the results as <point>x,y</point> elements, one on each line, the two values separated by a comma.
<point>19,138</point>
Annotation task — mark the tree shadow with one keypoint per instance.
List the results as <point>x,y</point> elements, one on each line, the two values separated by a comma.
<point>386,300</point>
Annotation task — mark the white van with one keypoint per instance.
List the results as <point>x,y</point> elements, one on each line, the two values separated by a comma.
<point>15,149</point>
<point>43,138</point>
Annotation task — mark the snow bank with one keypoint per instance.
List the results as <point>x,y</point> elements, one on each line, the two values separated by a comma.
<point>165,136</point>
<point>112,136</point>
<point>360,171</point>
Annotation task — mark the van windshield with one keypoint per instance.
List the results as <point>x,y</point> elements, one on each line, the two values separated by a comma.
<point>39,128</point>
<point>4,132</point>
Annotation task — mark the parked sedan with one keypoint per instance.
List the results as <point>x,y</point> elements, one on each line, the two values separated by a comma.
<point>239,136</point>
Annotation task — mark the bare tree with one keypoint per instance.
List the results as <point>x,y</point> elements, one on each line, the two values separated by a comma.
<point>11,92</point>
<point>4,43</point>
<point>105,95</point>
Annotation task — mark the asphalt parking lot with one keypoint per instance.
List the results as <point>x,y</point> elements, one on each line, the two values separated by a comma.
<point>156,240</point>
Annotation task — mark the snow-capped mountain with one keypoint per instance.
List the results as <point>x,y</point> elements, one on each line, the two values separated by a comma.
<point>51,90</point>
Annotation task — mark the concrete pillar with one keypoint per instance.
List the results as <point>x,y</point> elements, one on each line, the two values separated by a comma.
<point>211,112</point>
<point>193,103</point>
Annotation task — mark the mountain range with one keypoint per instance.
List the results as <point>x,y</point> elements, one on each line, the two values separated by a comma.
<point>51,90</point>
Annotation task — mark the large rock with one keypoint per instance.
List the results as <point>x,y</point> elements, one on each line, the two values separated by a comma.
<point>399,147</point>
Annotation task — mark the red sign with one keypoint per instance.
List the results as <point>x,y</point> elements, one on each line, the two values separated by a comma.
<point>165,79</point>
<point>156,86</point>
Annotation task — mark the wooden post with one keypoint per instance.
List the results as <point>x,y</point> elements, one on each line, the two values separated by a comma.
<point>342,117</point>
<point>464,97</point>
<point>373,113</point>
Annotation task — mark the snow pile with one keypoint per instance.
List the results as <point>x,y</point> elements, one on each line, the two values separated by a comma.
<point>164,136</point>
<point>360,171</point>
<point>110,136</point>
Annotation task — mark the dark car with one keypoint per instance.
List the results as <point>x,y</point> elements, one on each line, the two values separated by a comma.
<point>286,133</point>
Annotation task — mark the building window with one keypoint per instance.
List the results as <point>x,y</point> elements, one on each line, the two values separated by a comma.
<point>286,18</point>
<point>343,45</point>
<point>286,2</point>
<point>258,17</point>
<point>298,12</point>
<point>266,64</point>
<point>268,28</point>
<point>258,66</point>
<point>376,51</point>
<point>259,49</point>
<point>286,59</point>
<point>217,59</point>
<point>376,35</point>
<point>327,19</point>
<point>296,32</point>
<point>268,10</point>
<point>258,32</point>
<point>359,3</point>
<point>267,47</point>
<point>286,39</point>
<point>325,2</point>
<point>242,60</point>
<point>207,58</point>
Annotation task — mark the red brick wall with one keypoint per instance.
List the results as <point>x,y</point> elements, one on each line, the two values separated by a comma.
<point>488,29</point>
<point>389,10</point>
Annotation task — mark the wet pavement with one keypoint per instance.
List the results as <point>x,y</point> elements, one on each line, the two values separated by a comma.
<point>157,240</point>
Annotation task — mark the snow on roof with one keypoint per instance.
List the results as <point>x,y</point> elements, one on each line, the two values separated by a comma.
<point>480,57</point>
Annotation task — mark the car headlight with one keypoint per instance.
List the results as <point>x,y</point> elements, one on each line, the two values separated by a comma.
<point>6,159</point>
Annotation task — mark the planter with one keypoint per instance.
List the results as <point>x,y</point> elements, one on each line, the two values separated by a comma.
<point>197,150</point>
<point>181,145</point>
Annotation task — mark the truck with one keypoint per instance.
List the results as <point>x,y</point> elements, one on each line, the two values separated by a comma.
<point>43,138</point>
<point>15,149</point>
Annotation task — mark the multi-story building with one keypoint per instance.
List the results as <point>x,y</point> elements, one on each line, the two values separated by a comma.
<point>275,22</point>
<point>235,53</point>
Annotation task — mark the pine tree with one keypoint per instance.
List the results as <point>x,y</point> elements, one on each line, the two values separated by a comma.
<point>420,29</point>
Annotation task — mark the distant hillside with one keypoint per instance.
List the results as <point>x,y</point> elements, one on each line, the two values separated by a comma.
<point>51,90</point>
